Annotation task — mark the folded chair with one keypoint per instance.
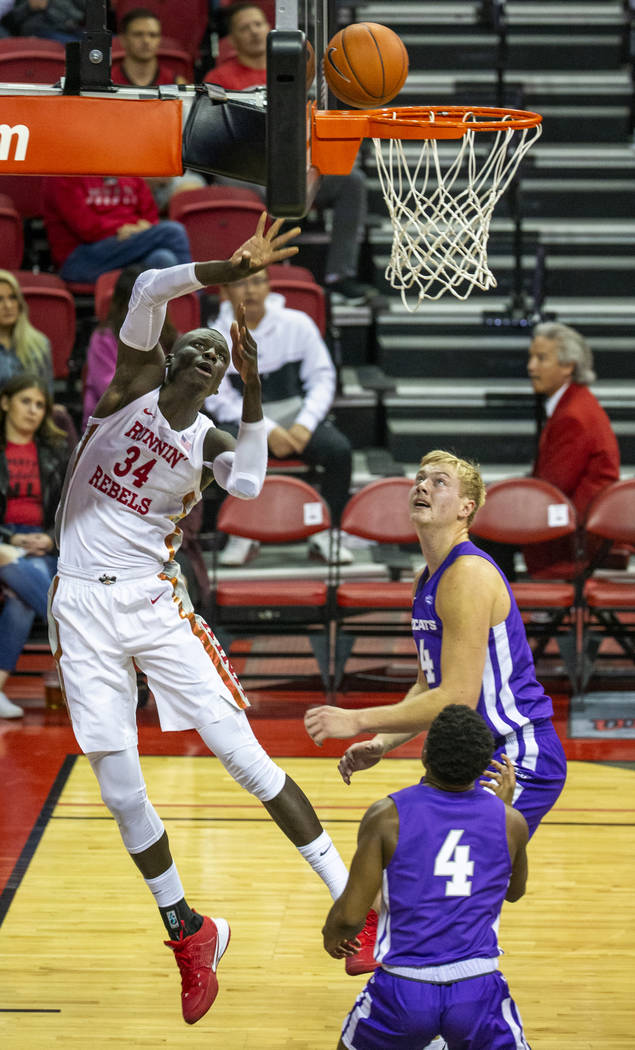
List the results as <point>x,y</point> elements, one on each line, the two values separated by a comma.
<point>522,511</point>
<point>376,608</point>
<point>609,597</point>
<point>284,602</point>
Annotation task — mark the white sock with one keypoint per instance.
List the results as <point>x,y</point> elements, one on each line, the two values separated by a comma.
<point>326,862</point>
<point>166,888</point>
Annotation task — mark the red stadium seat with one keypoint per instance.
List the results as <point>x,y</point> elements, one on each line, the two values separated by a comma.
<point>288,510</point>
<point>31,60</point>
<point>11,235</point>
<point>215,225</point>
<point>378,608</point>
<point>26,193</point>
<point>301,291</point>
<point>609,597</point>
<point>52,310</point>
<point>522,511</point>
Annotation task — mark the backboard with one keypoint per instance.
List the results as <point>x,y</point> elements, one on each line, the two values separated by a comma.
<point>291,181</point>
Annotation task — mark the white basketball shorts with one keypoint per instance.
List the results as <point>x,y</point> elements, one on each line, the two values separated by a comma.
<point>96,630</point>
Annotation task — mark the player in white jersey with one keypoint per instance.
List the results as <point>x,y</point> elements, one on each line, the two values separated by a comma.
<point>117,598</point>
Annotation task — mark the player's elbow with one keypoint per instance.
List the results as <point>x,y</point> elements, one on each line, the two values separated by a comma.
<point>515,891</point>
<point>245,486</point>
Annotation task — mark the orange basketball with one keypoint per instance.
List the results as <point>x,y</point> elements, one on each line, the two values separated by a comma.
<point>365,65</point>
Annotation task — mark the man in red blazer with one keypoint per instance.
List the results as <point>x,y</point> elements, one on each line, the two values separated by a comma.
<point>578,451</point>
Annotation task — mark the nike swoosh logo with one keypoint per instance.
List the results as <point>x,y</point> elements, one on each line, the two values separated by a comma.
<point>324,852</point>
<point>153,600</point>
<point>331,61</point>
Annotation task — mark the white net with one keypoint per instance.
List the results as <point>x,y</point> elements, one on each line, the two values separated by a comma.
<point>441,219</point>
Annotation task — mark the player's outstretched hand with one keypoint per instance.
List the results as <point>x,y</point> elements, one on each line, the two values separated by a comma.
<point>264,248</point>
<point>244,348</point>
<point>361,755</point>
<point>501,780</point>
<point>323,722</point>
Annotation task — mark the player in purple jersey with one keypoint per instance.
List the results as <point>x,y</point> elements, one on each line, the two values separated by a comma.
<point>472,649</point>
<point>445,854</point>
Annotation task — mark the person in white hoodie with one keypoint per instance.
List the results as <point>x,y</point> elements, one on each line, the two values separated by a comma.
<point>298,387</point>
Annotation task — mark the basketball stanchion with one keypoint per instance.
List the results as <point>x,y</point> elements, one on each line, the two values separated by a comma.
<point>440,216</point>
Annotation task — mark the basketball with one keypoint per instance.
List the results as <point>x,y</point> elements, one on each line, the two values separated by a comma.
<point>365,65</point>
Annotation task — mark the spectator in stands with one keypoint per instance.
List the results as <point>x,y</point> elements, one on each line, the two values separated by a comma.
<point>578,451</point>
<point>22,347</point>
<point>298,385</point>
<point>33,454</point>
<point>345,194</point>
<point>98,223</point>
<point>140,34</point>
<point>62,20</point>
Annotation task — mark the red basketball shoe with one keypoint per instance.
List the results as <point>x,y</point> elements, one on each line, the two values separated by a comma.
<point>364,961</point>
<point>197,957</point>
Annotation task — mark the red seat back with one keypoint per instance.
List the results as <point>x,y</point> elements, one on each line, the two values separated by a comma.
<point>215,227</point>
<point>31,60</point>
<point>612,513</point>
<point>11,235</point>
<point>380,512</point>
<point>304,295</point>
<point>286,510</point>
<point>52,310</point>
<point>25,191</point>
<point>523,511</point>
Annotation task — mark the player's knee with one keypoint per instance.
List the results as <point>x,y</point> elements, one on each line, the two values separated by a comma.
<point>123,803</point>
<point>252,768</point>
<point>139,824</point>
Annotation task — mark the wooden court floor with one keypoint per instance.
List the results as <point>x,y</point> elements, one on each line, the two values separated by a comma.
<point>82,963</point>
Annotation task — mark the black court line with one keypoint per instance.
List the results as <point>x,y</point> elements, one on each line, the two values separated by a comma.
<point>29,1010</point>
<point>33,840</point>
<point>355,820</point>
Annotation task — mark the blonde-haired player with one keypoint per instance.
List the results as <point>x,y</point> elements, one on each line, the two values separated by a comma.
<point>472,649</point>
<point>145,456</point>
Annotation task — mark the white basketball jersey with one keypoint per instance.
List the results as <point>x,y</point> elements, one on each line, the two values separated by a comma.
<point>130,481</point>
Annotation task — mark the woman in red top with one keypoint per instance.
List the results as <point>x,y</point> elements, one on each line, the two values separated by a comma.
<point>33,453</point>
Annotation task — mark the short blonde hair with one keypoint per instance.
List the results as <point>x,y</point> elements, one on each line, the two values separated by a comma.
<point>467,471</point>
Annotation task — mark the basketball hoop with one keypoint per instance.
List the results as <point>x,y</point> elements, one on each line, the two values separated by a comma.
<point>440,218</point>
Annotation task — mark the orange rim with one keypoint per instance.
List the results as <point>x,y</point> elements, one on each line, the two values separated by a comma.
<point>337,133</point>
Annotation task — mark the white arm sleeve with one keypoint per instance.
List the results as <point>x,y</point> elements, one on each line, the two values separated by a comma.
<point>242,472</point>
<point>151,293</point>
